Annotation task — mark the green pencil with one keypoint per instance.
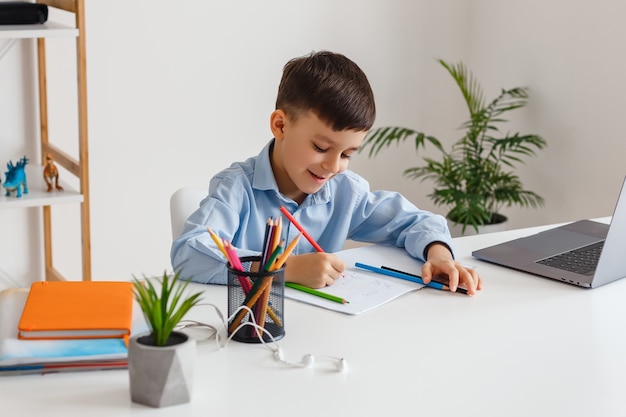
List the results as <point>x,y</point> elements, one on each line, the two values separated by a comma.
<point>273,256</point>
<point>316,292</point>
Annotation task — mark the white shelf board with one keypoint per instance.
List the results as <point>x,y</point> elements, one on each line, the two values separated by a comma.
<point>37,195</point>
<point>46,30</point>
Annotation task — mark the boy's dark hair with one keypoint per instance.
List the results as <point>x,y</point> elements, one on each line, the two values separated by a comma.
<point>331,86</point>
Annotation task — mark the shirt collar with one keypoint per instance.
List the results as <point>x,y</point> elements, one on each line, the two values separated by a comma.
<point>263,178</point>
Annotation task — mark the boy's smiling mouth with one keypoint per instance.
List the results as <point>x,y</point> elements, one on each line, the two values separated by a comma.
<point>317,177</point>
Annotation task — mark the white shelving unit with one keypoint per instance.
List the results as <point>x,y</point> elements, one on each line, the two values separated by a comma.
<point>78,167</point>
<point>37,196</point>
<point>46,30</point>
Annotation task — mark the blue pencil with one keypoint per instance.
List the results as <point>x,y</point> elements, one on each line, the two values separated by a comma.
<point>400,275</point>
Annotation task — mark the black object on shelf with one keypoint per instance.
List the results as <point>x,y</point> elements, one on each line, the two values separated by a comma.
<point>22,13</point>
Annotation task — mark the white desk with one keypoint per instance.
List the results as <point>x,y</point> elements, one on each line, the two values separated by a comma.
<point>525,346</point>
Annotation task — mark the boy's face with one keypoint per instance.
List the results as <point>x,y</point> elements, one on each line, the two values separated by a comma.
<point>308,153</point>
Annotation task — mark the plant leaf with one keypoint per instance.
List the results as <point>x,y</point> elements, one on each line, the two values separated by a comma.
<point>475,178</point>
<point>164,310</point>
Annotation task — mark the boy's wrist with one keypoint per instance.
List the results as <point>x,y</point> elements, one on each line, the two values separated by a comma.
<point>436,245</point>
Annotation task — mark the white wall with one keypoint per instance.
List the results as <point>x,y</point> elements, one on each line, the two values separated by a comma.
<point>176,94</point>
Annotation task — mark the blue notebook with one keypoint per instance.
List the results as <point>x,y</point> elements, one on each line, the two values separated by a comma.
<point>42,356</point>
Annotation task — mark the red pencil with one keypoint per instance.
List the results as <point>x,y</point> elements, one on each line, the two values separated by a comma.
<point>300,228</point>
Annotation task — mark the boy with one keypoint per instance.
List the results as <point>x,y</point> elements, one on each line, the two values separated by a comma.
<point>324,108</point>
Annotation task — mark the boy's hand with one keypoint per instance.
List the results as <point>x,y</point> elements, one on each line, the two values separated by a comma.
<point>315,270</point>
<point>440,262</point>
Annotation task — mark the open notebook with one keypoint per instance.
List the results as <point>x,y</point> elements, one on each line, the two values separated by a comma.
<point>365,290</point>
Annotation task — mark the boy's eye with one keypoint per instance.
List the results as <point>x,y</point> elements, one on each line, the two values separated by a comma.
<point>322,150</point>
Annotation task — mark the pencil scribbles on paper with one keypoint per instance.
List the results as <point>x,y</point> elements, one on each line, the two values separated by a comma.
<point>359,285</point>
<point>363,290</point>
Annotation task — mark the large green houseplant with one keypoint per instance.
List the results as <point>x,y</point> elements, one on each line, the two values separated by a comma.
<point>160,362</point>
<point>475,177</point>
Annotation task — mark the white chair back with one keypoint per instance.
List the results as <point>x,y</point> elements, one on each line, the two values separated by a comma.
<point>183,202</point>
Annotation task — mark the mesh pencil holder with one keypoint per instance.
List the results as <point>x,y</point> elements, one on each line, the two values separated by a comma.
<point>263,293</point>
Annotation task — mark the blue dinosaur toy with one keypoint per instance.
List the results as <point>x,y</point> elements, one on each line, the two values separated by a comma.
<point>16,176</point>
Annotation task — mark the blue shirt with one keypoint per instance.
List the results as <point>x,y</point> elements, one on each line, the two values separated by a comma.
<point>244,196</point>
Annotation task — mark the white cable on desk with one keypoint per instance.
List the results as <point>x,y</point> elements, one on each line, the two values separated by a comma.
<point>308,360</point>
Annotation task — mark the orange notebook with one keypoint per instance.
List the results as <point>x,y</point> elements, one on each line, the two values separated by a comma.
<point>77,310</point>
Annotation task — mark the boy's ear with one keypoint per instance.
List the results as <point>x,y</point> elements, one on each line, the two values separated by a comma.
<point>278,119</point>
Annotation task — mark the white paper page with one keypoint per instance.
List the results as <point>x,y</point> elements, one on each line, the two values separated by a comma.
<point>363,289</point>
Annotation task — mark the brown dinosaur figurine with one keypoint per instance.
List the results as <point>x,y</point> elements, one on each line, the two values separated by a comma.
<point>51,174</point>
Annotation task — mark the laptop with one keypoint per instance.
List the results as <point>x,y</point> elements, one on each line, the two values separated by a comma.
<point>583,253</point>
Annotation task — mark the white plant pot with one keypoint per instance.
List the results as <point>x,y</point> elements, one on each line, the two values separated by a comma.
<point>456,230</point>
<point>161,376</point>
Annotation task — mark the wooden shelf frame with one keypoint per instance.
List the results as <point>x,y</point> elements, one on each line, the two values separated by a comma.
<point>79,167</point>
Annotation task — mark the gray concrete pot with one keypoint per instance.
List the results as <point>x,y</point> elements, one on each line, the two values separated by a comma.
<point>456,230</point>
<point>161,376</point>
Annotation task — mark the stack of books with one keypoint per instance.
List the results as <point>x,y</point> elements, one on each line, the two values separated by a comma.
<point>66,326</point>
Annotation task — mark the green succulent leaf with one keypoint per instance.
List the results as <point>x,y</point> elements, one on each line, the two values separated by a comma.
<point>165,304</point>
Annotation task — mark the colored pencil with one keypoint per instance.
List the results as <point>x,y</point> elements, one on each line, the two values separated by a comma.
<point>300,228</point>
<point>268,238</point>
<point>281,260</point>
<point>271,250</point>
<point>404,276</point>
<point>397,275</point>
<point>274,255</point>
<point>261,309</point>
<point>315,292</point>
<point>445,284</point>
<point>244,282</point>
<point>235,263</point>
<point>233,258</point>
<point>277,233</point>
<point>219,244</point>
<point>255,293</point>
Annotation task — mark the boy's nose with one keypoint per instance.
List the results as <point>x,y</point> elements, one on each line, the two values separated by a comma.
<point>331,164</point>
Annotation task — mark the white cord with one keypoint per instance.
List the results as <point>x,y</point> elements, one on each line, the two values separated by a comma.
<point>308,361</point>
<point>215,331</point>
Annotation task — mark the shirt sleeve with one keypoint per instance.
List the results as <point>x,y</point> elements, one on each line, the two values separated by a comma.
<point>194,253</point>
<point>388,218</point>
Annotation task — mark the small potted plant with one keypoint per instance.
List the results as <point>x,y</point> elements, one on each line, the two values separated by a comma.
<point>160,362</point>
<point>475,177</point>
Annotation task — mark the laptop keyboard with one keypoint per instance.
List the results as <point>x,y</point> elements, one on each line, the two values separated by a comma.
<point>580,261</point>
